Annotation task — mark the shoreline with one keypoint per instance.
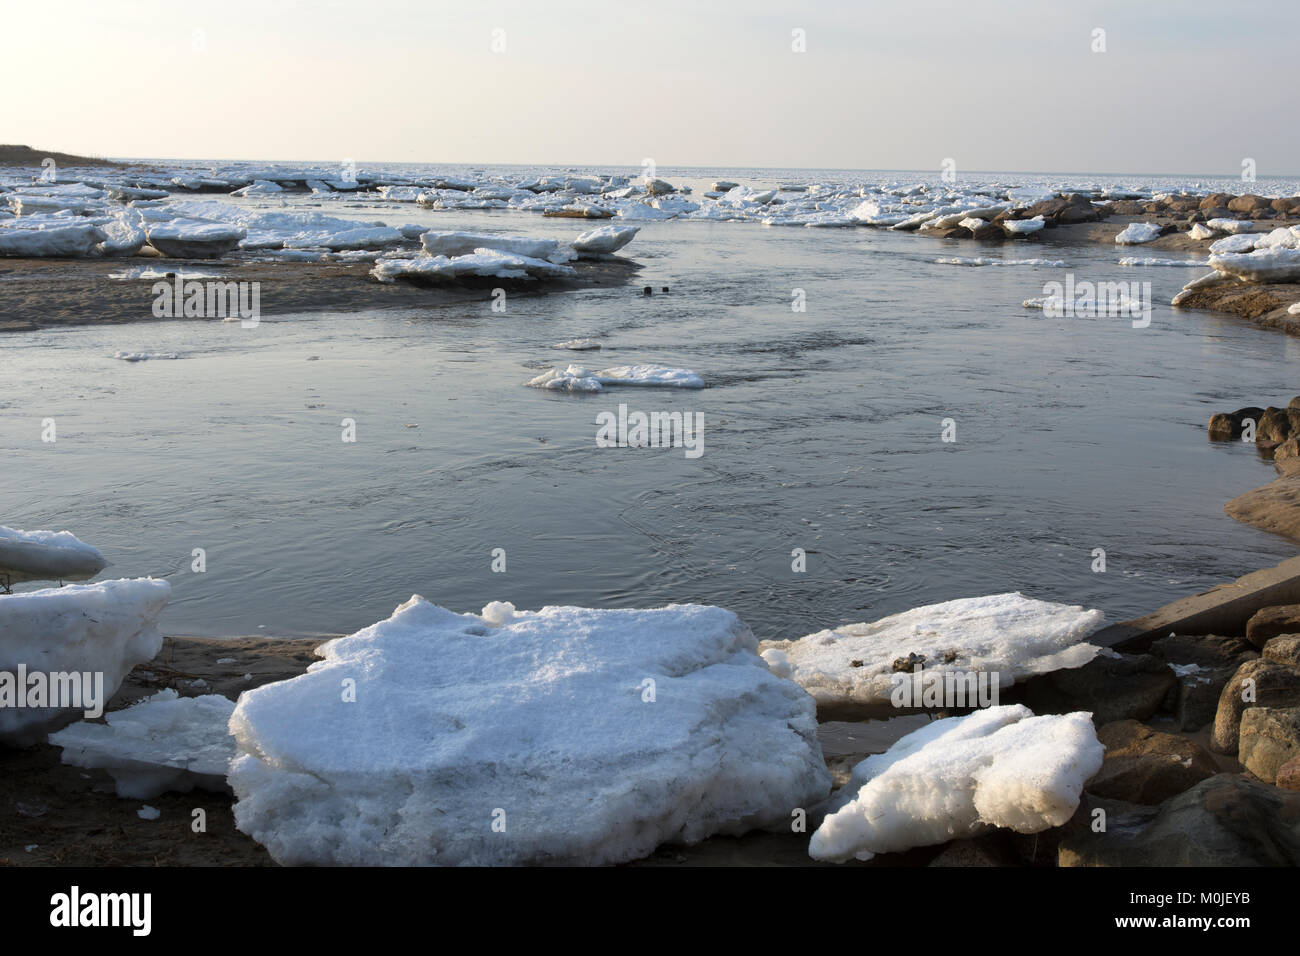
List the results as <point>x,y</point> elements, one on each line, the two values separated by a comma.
<point>96,827</point>
<point>65,293</point>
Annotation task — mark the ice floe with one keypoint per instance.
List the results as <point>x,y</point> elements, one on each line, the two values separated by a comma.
<point>194,238</point>
<point>454,244</point>
<point>960,776</point>
<point>1008,636</point>
<point>29,237</point>
<point>565,735</point>
<point>46,556</point>
<point>163,743</point>
<point>145,356</point>
<point>1137,233</point>
<point>480,263</point>
<point>604,240</point>
<point>983,261</point>
<point>578,378</point>
<point>1180,263</point>
<point>105,628</point>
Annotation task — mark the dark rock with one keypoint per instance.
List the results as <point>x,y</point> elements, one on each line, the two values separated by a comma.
<point>1267,623</point>
<point>1146,766</point>
<point>990,230</point>
<point>1196,698</point>
<point>1270,736</point>
<point>1227,820</point>
<point>1112,688</point>
<point>1266,684</point>
<point>1276,425</point>
<point>991,850</point>
<point>1229,424</point>
<point>1207,650</point>
<point>1215,201</point>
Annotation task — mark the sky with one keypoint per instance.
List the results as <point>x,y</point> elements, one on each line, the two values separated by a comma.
<point>1180,86</point>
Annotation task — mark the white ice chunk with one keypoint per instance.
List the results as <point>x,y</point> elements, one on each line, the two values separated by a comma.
<point>565,735</point>
<point>453,244</point>
<point>164,743</point>
<point>578,378</point>
<point>1138,232</point>
<point>1008,636</point>
<point>1270,264</point>
<point>959,776</point>
<point>604,240</point>
<point>1024,227</point>
<point>46,556</point>
<point>103,628</point>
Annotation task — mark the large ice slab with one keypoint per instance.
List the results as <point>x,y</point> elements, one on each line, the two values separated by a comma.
<point>50,239</point>
<point>104,629</point>
<point>46,556</point>
<point>482,263</point>
<point>605,240</point>
<point>452,244</point>
<point>957,777</point>
<point>194,239</point>
<point>1007,635</point>
<point>565,735</point>
<point>163,743</point>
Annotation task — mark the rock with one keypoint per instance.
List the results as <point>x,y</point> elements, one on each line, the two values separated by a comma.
<point>1288,449</point>
<point>1207,650</point>
<point>1203,663</point>
<point>1143,765</point>
<point>989,230</point>
<point>1248,202</point>
<point>1267,623</point>
<point>659,187</point>
<point>1215,201</point>
<point>1227,820</point>
<point>1284,205</point>
<point>1112,688</point>
<point>1276,425</point>
<point>990,850</point>
<point>1265,684</point>
<point>1270,736</point>
<point>1283,649</point>
<point>1229,424</point>
<point>1288,775</point>
<point>1274,507</point>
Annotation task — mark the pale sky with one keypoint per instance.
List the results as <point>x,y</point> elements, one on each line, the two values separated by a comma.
<point>1184,86</point>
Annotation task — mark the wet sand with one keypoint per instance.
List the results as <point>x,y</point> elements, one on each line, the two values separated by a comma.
<point>43,293</point>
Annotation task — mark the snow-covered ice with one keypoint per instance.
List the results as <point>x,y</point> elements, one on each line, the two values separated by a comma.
<point>481,263</point>
<point>959,776</point>
<point>565,735</point>
<point>163,743</point>
<point>1010,635</point>
<point>103,628</point>
<point>453,244</point>
<point>578,378</point>
<point>46,556</point>
<point>604,240</point>
<point>193,238</point>
<point>1138,232</point>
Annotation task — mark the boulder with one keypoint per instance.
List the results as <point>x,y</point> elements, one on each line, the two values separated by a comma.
<point>1270,736</point>
<point>1215,201</point>
<point>1248,202</point>
<point>1267,623</point>
<point>1227,820</point>
<point>1206,650</point>
<point>1226,425</point>
<point>1112,688</point>
<point>1258,683</point>
<point>1288,775</point>
<point>1276,425</point>
<point>1283,649</point>
<point>1147,766</point>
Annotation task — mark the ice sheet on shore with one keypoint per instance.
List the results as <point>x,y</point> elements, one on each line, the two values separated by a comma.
<point>1007,635</point>
<point>453,244</point>
<point>1136,233</point>
<point>565,735</point>
<point>194,238</point>
<point>959,776</point>
<point>46,556</point>
<point>163,743</point>
<point>481,263</point>
<point>47,237</point>
<point>1181,263</point>
<point>578,378</point>
<point>989,261</point>
<point>103,628</point>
